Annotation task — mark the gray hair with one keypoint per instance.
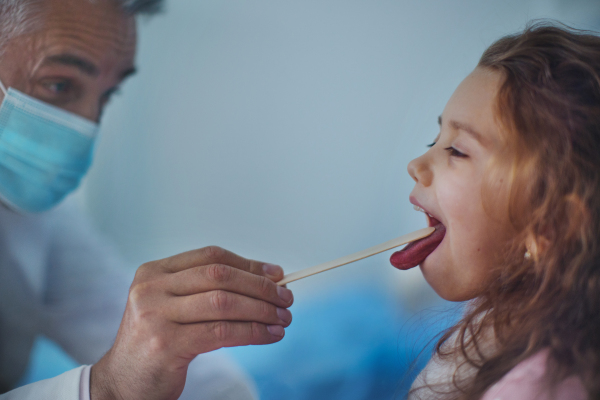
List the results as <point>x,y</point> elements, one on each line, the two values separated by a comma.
<point>16,16</point>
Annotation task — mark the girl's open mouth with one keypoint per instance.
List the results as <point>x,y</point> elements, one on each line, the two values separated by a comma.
<point>416,252</point>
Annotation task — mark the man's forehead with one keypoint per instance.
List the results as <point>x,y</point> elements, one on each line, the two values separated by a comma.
<point>98,31</point>
<point>97,38</point>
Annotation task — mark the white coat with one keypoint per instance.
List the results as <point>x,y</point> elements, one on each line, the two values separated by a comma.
<point>59,278</point>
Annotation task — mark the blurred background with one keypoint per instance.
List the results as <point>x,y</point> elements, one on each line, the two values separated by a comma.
<point>281,130</point>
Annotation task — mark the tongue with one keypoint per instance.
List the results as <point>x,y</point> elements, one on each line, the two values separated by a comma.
<point>416,252</point>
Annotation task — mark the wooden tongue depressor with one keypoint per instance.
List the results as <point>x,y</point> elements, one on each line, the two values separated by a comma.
<point>404,239</point>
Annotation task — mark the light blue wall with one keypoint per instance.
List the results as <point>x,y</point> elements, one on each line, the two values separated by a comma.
<point>281,129</point>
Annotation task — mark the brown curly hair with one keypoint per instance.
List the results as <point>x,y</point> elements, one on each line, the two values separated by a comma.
<point>549,106</point>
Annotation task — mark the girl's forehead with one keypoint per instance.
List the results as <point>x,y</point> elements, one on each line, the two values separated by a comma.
<point>472,107</point>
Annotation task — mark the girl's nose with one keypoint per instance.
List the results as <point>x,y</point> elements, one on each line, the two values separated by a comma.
<point>419,170</point>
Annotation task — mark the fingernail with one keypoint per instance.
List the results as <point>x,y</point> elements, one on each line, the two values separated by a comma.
<point>284,315</point>
<point>285,294</point>
<point>276,330</point>
<point>272,270</point>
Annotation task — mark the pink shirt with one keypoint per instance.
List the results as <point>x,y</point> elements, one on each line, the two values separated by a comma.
<point>525,382</point>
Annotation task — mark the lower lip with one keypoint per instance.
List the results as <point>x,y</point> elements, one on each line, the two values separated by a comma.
<point>432,221</point>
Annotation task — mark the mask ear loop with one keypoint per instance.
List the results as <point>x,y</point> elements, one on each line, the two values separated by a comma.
<point>3,88</point>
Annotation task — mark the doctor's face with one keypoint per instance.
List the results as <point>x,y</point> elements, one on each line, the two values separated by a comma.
<point>75,55</point>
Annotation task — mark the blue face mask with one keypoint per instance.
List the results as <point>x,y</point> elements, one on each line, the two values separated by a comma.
<point>44,152</point>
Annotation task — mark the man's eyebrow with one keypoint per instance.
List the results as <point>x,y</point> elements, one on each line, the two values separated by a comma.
<point>466,128</point>
<point>83,65</point>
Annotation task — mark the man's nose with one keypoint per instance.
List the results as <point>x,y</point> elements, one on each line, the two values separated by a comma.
<point>420,171</point>
<point>93,114</point>
<point>90,109</point>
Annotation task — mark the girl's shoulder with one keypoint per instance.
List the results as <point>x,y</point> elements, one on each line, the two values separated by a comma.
<point>526,381</point>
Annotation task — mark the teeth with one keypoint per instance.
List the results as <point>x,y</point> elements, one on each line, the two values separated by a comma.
<point>417,208</point>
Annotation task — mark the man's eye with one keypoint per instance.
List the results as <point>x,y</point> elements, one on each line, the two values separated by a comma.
<point>455,153</point>
<point>59,87</point>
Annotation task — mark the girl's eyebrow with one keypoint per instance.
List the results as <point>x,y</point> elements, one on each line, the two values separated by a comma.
<point>466,128</point>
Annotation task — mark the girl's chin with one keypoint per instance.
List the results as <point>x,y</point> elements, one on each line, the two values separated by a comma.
<point>434,261</point>
<point>435,270</point>
<point>442,287</point>
<point>432,272</point>
<point>443,282</point>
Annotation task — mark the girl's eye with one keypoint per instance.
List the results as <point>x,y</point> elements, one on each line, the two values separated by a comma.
<point>431,145</point>
<point>455,153</point>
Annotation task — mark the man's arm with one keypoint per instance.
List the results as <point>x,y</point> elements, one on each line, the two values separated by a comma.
<point>63,387</point>
<point>87,291</point>
<point>86,286</point>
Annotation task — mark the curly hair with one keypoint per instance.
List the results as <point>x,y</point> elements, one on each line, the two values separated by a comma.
<point>548,105</point>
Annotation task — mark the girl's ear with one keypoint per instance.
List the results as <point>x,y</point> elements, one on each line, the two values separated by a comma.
<point>535,246</point>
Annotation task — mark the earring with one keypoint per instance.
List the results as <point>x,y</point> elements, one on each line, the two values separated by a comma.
<point>532,250</point>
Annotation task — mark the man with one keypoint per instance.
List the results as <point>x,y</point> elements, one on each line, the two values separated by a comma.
<point>60,61</point>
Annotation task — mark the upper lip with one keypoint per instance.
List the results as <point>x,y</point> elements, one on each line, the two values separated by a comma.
<point>415,202</point>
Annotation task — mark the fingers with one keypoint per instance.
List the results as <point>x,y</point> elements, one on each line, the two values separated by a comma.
<point>220,305</point>
<point>222,277</point>
<point>273,272</point>
<point>192,303</point>
<point>210,255</point>
<point>217,255</point>
<point>209,336</point>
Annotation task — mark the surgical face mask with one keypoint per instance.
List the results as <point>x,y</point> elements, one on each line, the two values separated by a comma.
<point>44,152</point>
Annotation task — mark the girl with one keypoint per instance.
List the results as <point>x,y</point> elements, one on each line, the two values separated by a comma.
<point>512,185</point>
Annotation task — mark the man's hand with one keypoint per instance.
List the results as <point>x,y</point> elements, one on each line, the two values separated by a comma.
<point>185,305</point>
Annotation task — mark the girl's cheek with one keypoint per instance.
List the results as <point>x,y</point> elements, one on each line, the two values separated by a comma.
<point>457,198</point>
